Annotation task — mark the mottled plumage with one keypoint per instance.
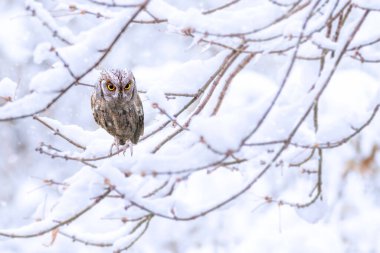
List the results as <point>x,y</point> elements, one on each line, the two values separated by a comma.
<point>117,107</point>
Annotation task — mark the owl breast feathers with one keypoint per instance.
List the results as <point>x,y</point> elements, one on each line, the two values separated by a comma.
<point>117,107</point>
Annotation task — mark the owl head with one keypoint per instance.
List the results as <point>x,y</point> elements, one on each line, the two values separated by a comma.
<point>116,84</point>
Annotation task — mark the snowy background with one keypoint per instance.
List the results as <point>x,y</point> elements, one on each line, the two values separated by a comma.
<point>261,126</point>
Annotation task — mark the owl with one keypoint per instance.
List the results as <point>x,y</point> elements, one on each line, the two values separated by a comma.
<point>117,107</point>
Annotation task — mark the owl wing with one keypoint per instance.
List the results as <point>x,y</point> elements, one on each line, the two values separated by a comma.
<point>94,107</point>
<point>139,121</point>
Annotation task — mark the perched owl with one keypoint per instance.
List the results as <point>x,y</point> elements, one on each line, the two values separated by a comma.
<point>117,107</point>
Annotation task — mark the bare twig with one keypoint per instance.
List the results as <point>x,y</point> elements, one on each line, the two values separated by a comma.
<point>57,132</point>
<point>46,24</point>
<point>241,66</point>
<point>220,7</point>
<point>113,4</point>
<point>231,58</point>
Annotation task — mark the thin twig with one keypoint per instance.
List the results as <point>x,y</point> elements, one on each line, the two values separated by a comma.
<point>75,216</point>
<point>227,84</point>
<point>57,132</point>
<point>224,6</point>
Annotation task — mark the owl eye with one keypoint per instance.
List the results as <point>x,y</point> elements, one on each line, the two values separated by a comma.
<point>111,87</point>
<point>128,86</point>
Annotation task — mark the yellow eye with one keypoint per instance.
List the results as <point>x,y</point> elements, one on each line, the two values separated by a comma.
<point>111,87</point>
<point>128,86</point>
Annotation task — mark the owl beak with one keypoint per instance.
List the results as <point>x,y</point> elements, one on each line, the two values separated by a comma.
<point>120,95</point>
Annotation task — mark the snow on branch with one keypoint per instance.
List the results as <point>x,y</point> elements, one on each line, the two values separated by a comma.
<point>216,126</point>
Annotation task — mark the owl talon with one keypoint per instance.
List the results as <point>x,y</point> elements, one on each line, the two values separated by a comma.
<point>117,147</point>
<point>121,148</point>
<point>130,146</point>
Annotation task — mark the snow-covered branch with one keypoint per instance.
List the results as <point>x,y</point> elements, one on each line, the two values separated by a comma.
<point>255,93</point>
